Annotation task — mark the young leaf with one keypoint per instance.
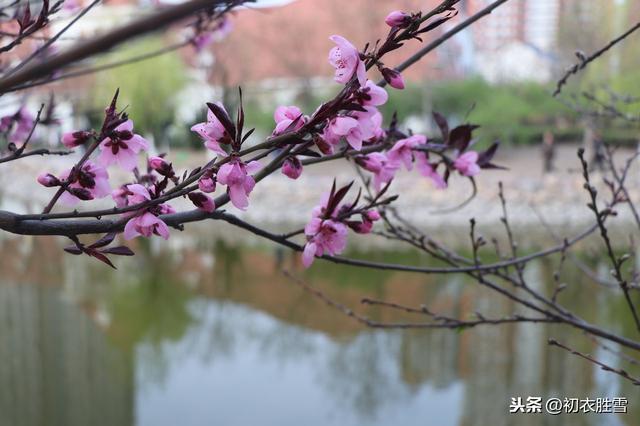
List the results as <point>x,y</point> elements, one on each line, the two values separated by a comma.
<point>224,119</point>
<point>101,257</point>
<point>441,121</point>
<point>119,251</point>
<point>104,241</point>
<point>460,137</point>
<point>73,250</point>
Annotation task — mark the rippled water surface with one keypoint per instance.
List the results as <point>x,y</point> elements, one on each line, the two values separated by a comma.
<point>205,332</point>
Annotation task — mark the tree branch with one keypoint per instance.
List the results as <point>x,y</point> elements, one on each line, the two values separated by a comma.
<point>584,61</point>
<point>111,39</point>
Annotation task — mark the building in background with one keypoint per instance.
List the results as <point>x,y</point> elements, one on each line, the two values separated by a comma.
<point>518,41</point>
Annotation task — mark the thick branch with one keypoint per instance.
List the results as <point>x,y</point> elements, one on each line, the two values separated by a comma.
<point>111,39</point>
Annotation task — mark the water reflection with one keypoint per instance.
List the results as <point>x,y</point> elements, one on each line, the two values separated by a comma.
<point>207,333</point>
<point>57,367</point>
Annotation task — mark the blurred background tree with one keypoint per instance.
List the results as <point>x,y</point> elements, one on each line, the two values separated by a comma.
<point>149,89</point>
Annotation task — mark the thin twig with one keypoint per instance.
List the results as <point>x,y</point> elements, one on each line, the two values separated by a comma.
<point>620,372</point>
<point>451,324</point>
<point>437,42</point>
<point>104,67</point>
<point>53,39</point>
<point>584,61</point>
<point>107,41</point>
<point>600,219</point>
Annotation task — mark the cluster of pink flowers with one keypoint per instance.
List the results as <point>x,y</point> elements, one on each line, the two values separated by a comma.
<point>326,232</point>
<point>328,228</point>
<point>324,236</point>
<point>407,152</point>
<point>357,126</point>
<point>352,121</point>
<point>91,181</point>
<point>144,222</point>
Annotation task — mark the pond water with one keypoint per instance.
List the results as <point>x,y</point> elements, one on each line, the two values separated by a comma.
<point>205,332</point>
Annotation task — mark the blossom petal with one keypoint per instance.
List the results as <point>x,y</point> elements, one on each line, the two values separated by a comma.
<point>309,253</point>
<point>130,230</point>
<point>238,197</point>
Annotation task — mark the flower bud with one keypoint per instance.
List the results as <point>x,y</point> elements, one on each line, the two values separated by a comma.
<point>161,166</point>
<point>393,77</point>
<point>292,168</point>
<point>363,227</point>
<point>398,18</point>
<point>372,215</point>
<point>48,180</point>
<point>207,182</point>
<point>166,209</point>
<point>77,138</point>
<point>202,201</point>
<point>81,193</point>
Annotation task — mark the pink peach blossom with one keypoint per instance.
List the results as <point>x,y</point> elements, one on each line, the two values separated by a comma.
<point>337,128</point>
<point>207,183</point>
<point>92,178</point>
<point>323,236</point>
<point>292,167</point>
<point>357,129</point>
<point>213,132</point>
<point>119,196</point>
<point>202,201</point>
<point>235,174</point>
<point>284,116</point>
<point>145,225</point>
<point>371,95</point>
<point>382,168</point>
<point>206,37</point>
<point>137,194</point>
<point>130,195</point>
<point>20,123</point>
<point>373,215</point>
<point>467,163</point>
<point>345,58</point>
<point>376,124</point>
<point>403,150</point>
<point>122,147</point>
<point>426,169</point>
